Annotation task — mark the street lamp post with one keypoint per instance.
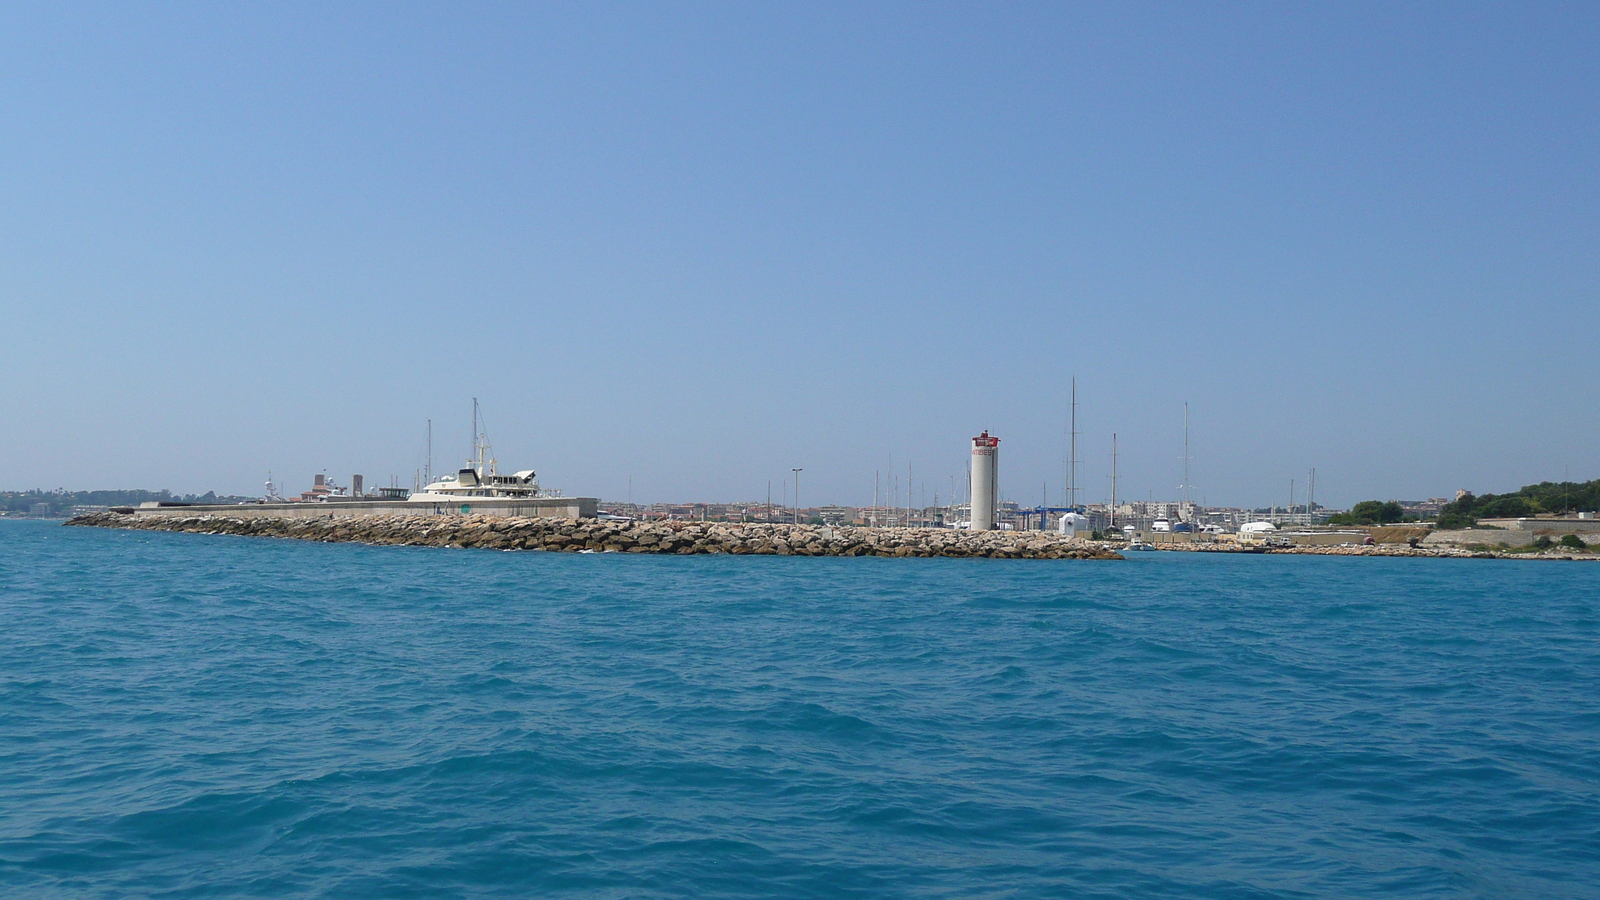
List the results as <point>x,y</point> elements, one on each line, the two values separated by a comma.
<point>797,494</point>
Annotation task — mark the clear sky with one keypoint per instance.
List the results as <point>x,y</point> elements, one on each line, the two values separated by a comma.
<point>695,246</point>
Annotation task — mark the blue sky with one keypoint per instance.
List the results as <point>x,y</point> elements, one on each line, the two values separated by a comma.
<point>695,246</point>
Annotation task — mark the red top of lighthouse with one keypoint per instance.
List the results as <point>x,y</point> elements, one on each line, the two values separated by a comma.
<point>984,440</point>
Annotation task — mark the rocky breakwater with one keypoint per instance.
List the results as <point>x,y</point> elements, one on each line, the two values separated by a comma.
<point>576,535</point>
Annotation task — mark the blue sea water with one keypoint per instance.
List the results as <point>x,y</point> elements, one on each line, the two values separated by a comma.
<point>211,716</point>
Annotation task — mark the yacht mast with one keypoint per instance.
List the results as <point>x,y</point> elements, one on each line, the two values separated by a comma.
<point>483,454</point>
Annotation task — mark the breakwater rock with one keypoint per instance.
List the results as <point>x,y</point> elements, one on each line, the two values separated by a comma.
<point>574,535</point>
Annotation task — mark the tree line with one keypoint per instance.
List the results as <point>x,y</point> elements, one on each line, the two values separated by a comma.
<point>1372,512</point>
<point>1546,497</point>
<point>1531,500</point>
<point>62,501</point>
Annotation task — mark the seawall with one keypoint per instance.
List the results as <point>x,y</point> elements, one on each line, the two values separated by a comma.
<point>573,535</point>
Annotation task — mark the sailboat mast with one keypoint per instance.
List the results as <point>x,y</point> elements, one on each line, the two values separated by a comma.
<point>1186,459</point>
<point>1113,479</point>
<point>1072,448</point>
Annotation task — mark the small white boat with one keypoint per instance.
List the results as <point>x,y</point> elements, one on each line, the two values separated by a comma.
<point>1139,545</point>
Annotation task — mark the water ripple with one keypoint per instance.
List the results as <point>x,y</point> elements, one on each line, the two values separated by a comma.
<point>204,716</point>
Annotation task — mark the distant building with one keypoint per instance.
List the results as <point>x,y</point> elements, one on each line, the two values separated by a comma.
<point>1424,509</point>
<point>836,515</point>
<point>319,489</point>
<point>877,515</point>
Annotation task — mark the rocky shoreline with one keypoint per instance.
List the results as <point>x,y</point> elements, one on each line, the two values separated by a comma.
<point>577,535</point>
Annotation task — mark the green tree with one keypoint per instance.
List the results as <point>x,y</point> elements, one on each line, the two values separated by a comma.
<point>1458,513</point>
<point>1506,506</point>
<point>1370,512</point>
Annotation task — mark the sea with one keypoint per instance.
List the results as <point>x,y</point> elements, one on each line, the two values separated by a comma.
<point>187,715</point>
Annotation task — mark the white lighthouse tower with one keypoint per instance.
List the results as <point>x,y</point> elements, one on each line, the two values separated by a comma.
<point>985,475</point>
